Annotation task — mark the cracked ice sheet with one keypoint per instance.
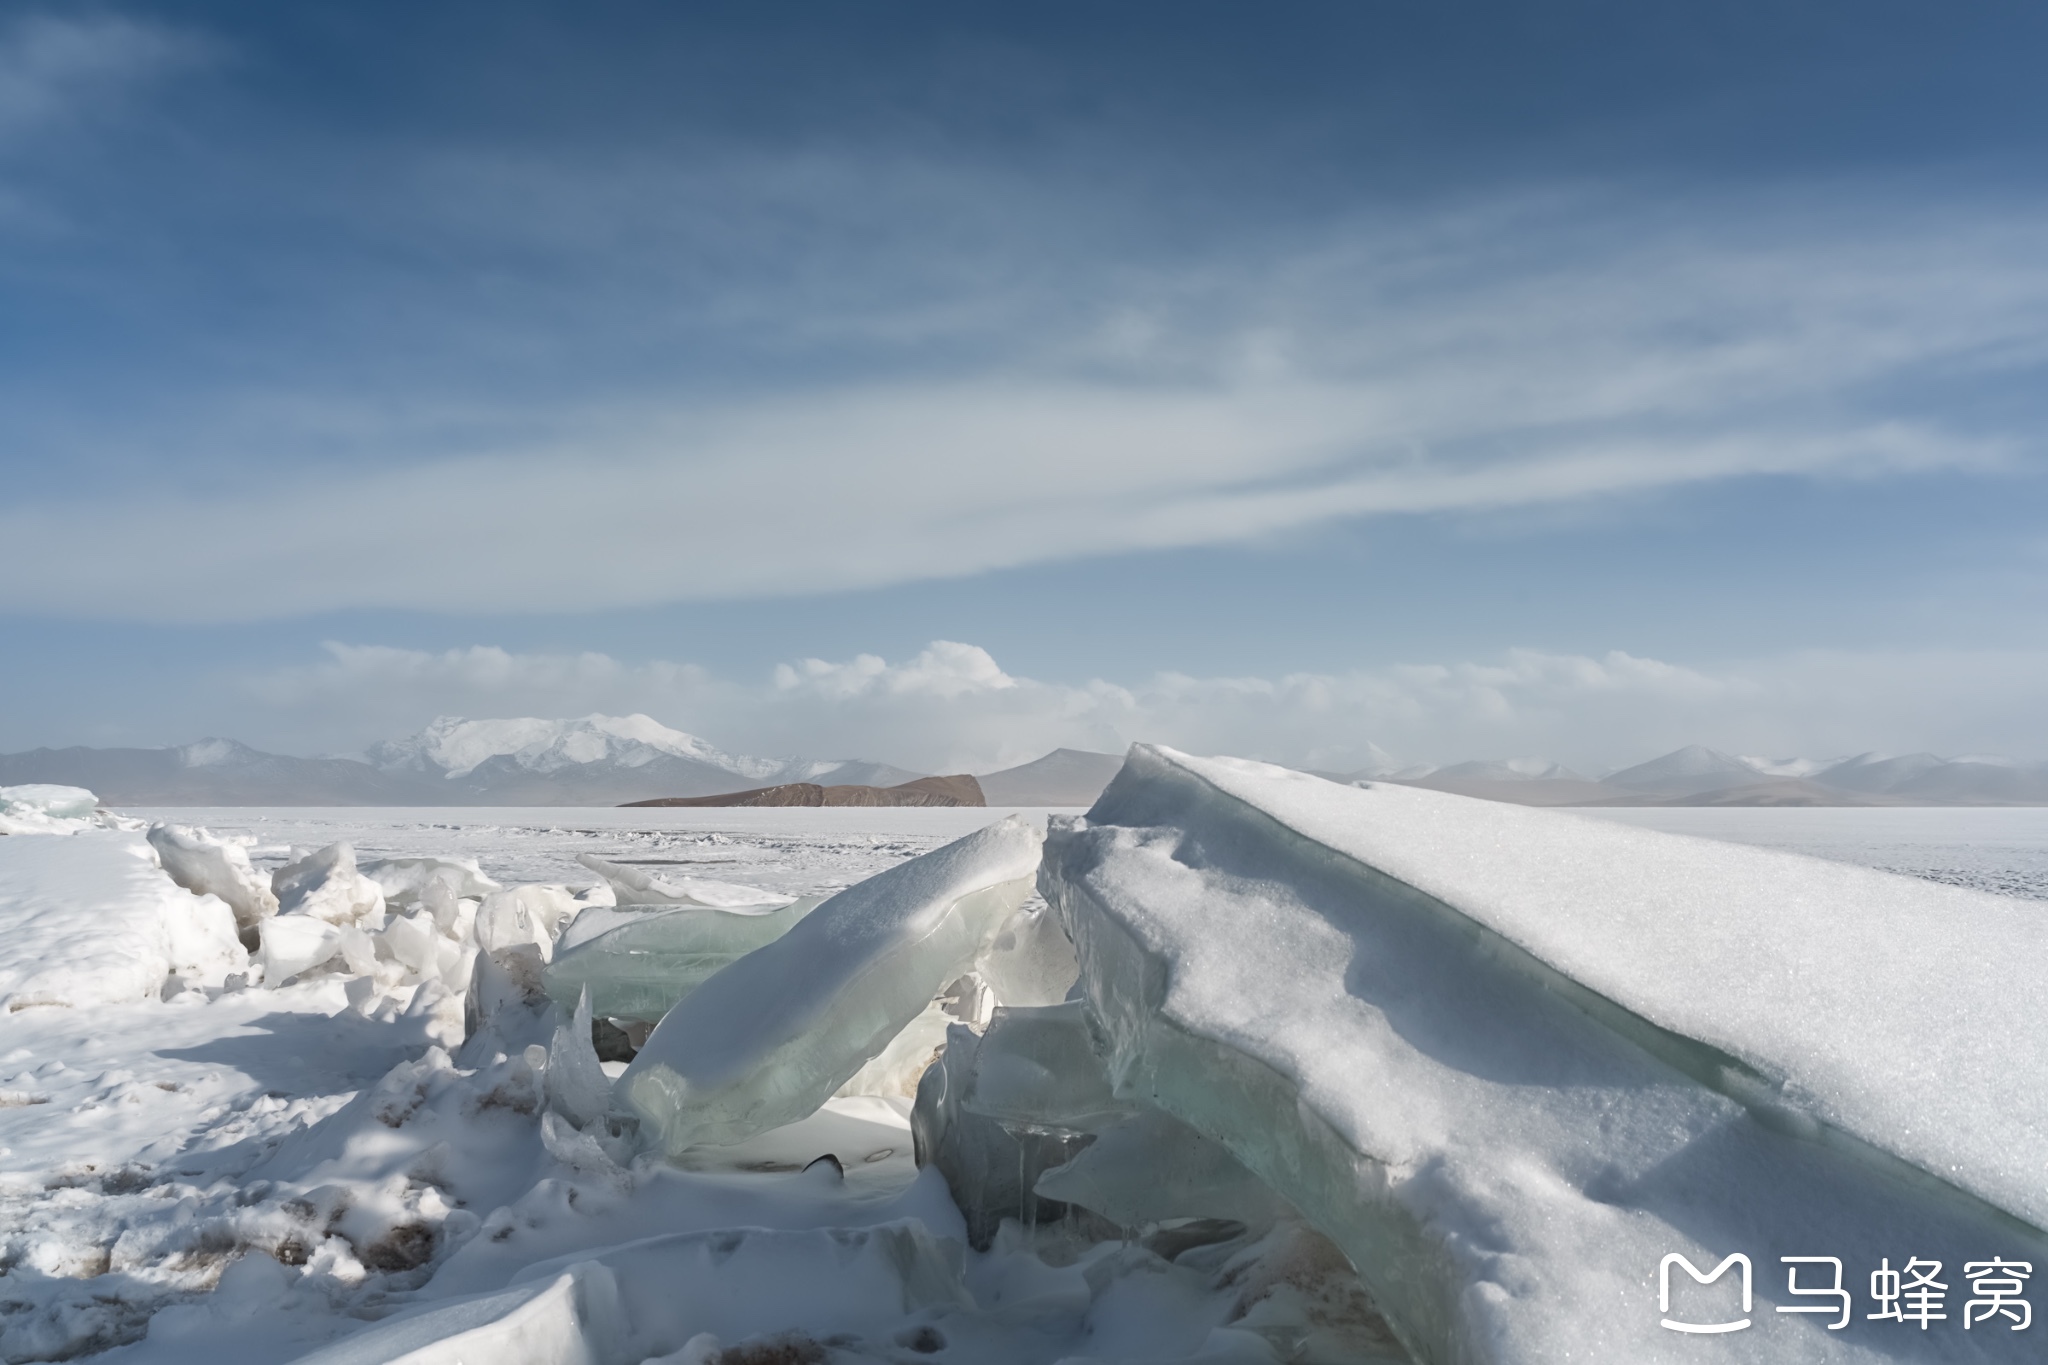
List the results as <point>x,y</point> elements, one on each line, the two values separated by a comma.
<point>1507,1171</point>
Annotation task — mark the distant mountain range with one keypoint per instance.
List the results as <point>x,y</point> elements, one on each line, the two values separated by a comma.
<point>593,761</point>
<point>613,760</point>
<point>1699,776</point>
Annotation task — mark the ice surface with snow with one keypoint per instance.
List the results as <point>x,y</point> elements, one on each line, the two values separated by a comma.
<point>767,1040</point>
<point>1510,1059</point>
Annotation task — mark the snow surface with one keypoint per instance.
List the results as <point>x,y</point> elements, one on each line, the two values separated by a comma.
<point>1509,1059</point>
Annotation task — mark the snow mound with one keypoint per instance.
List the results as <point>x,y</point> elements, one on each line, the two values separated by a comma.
<point>92,920</point>
<point>1510,1059</point>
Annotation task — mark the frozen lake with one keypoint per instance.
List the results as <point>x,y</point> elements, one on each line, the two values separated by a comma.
<point>799,851</point>
<point>2003,849</point>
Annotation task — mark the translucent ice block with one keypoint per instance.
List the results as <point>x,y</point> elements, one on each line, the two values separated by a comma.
<point>642,967</point>
<point>1151,1167</point>
<point>999,1109</point>
<point>770,1038</point>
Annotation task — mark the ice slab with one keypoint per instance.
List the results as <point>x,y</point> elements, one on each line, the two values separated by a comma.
<point>525,914</point>
<point>92,920</point>
<point>768,1039</point>
<point>1509,1060</point>
<point>648,959</point>
<point>208,866</point>
<point>638,886</point>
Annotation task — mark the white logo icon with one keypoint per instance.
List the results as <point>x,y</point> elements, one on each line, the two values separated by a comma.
<point>1664,1291</point>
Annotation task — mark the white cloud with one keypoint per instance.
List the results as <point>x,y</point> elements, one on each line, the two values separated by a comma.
<point>1532,357</point>
<point>954,708</point>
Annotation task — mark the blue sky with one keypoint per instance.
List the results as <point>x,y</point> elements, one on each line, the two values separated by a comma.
<point>1569,379</point>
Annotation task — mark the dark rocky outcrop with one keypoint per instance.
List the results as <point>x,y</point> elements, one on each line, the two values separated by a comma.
<point>957,790</point>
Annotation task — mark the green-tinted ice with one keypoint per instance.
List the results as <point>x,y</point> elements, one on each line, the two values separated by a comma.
<point>640,969</point>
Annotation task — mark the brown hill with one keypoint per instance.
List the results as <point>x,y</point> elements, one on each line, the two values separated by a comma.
<point>958,790</point>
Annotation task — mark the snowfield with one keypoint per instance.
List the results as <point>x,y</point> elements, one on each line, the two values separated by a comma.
<point>1276,1071</point>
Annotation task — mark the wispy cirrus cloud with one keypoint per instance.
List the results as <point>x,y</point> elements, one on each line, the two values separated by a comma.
<point>1380,371</point>
<point>56,67</point>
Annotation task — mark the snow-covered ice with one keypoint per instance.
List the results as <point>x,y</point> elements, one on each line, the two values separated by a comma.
<point>1509,1059</point>
<point>43,808</point>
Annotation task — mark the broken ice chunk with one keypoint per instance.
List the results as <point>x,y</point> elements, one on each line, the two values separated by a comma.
<point>767,1040</point>
<point>648,960</point>
<point>414,944</point>
<point>637,886</point>
<point>404,881</point>
<point>327,886</point>
<point>206,865</point>
<point>577,1086</point>
<point>990,1165</point>
<point>525,914</point>
<point>295,943</point>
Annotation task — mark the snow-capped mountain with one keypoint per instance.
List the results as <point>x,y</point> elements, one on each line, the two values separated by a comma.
<point>452,747</point>
<point>594,759</point>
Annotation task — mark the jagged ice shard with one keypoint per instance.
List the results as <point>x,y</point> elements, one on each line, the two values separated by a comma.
<point>1510,1060</point>
<point>768,1039</point>
<point>648,961</point>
